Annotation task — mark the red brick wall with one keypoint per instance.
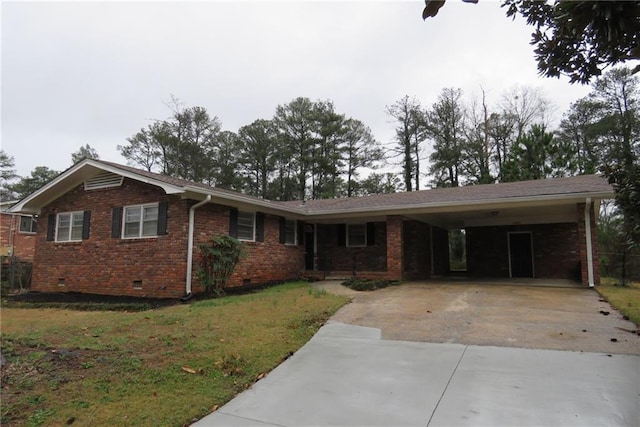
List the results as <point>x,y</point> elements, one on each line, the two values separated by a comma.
<point>395,248</point>
<point>106,265</point>
<point>417,246</point>
<point>264,262</point>
<point>109,266</point>
<point>554,250</point>
<point>12,241</point>
<point>333,257</point>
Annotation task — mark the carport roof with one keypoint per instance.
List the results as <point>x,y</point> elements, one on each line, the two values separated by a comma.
<point>575,187</point>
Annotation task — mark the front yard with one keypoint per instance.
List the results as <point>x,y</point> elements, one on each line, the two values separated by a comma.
<point>169,366</point>
<point>624,298</point>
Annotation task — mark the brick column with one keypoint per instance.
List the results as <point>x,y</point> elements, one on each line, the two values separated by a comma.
<point>394,248</point>
<point>582,245</point>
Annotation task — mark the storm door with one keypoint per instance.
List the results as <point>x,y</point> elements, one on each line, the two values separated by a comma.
<point>520,255</point>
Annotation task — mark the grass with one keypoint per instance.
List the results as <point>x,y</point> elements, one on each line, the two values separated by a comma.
<point>624,298</point>
<point>164,367</point>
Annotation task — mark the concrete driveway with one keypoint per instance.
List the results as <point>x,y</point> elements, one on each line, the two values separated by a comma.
<point>491,313</point>
<point>348,376</point>
<point>486,362</point>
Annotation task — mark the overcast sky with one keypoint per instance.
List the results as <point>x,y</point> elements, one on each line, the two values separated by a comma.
<point>94,73</point>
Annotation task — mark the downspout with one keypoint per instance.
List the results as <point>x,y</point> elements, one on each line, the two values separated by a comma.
<point>190,247</point>
<point>587,232</point>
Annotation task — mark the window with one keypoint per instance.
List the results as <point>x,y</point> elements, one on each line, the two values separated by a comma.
<point>28,224</point>
<point>356,235</point>
<point>246,226</point>
<point>290,232</point>
<point>140,221</point>
<point>69,227</point>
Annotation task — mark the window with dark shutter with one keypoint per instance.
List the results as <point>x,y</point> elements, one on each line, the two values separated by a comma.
<point>86,225</point>
<point>116,222</point>
<point>259,227</point>
<point>233,222</point>
<point>282,223</point>
<point>356,235</point>
<point>371,234</point>
<point>163,207</point>
<point>51,227</point>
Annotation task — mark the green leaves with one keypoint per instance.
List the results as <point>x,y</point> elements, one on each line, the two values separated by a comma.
<point>218,259</point>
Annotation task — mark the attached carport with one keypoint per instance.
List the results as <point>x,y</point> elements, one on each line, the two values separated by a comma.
<point>531,229</point>
<point>508,240</point>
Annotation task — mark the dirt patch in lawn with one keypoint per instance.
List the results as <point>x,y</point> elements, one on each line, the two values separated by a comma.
<point>576,319</point>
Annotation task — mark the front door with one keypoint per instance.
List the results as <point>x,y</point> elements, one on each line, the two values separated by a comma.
<point>520,255</point>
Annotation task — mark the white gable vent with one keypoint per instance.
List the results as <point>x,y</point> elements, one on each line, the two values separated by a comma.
<point>104,180</point>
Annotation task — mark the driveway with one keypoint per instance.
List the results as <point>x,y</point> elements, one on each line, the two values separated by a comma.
<point>543,317</point>
<point>428,354</point>
<point>348,376</point>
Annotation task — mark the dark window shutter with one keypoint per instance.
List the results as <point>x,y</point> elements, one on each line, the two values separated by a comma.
<point>371,234</point>
<point>342,234</point>
<point>116,220</point>
<point>233,222</point>
<point>86,224</point>
<point>163,207</point>
<point>301,232</point>
<point>282,229</point>
<point>51,227</point>
<point>259,227</point>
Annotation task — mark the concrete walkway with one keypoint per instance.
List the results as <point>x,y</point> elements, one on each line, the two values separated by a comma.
<point>348,376</point>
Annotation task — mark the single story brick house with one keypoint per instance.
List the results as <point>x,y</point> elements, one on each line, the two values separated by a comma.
<point>111,229</point>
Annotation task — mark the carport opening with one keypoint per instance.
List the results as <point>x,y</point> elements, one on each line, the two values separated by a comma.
<point>457,251</point>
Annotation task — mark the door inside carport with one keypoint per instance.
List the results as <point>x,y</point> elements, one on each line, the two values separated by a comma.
<point>520,255</point>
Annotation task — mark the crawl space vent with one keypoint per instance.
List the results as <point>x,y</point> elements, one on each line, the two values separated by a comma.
<point>103,180</point>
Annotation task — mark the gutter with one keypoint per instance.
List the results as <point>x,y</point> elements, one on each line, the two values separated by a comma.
<point>190,247</point>
<point>587,232</point>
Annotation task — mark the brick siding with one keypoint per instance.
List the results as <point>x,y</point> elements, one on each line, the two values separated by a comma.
<point>112,266</point>
<point>554,250</point>
<point>335,257</point>
<point>417,257</point>
<point>264,262</point>
<point>14,242</point>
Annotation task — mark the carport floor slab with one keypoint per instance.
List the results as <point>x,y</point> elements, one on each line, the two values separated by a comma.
<point>346,375</point>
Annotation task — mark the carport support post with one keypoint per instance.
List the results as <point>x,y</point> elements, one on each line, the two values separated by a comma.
<point>589,271</point>
<point>394,248</point>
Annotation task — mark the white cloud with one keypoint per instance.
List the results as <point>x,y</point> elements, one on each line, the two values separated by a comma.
<point>95,73</point>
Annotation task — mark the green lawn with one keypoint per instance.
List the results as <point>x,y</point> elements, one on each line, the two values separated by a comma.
<point>162,367</point>
<point>624,298</point>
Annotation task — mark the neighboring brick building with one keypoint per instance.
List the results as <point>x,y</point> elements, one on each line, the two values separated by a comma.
<point>111,229</point>
<point>17,234</point>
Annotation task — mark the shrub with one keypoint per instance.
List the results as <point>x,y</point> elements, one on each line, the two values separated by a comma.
<point>368,284</point>
<point>218,259</point>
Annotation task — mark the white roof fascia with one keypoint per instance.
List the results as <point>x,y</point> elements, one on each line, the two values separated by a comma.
<point>20,207</point>
<point>469,205</point>
<point>243,199</point>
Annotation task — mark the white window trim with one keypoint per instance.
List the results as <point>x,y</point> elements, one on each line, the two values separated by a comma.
<point>253,214</point>
<point>295,232</point>
<point>141,223</point>
<point>71,214</point>
<point>347,236</point>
